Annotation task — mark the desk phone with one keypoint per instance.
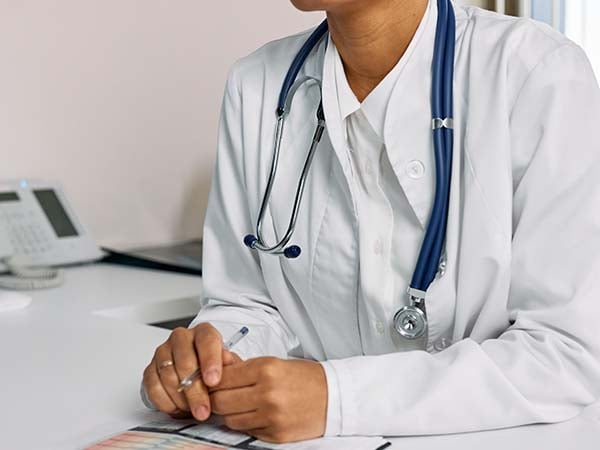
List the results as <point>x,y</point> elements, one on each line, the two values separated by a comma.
<point>38,228</point>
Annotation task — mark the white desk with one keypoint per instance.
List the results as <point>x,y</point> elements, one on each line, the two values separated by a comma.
<point>71,365</point>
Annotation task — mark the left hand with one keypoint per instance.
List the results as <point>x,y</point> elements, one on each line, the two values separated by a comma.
<point>273,399</point>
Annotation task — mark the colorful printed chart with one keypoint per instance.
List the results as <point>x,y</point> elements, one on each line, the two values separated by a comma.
<point>158,441</point>
<point>176,435</point>
<point>190,435</point>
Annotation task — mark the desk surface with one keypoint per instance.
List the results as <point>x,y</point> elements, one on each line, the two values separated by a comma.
<point>72,362</point>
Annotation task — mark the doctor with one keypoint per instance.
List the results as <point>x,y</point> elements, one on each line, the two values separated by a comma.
<point>513,310</point>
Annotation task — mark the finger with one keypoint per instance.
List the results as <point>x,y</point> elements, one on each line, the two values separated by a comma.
<point>234,401</point>
<point>230,357</point>
<point>245,421</point>
<point>168,376</point>
<point>156,392</point>
<point>186,363</point>
<point>209,346</point>
<point>238,375</point>
<point>198,399</point>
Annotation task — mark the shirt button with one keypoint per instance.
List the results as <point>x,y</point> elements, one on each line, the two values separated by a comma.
<point>378,247</point>
<point>379,326</point>
<point>415,169</point>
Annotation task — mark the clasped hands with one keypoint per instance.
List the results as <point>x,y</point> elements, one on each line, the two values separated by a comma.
<point>272,399</point>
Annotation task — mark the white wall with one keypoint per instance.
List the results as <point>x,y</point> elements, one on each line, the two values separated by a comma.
<point>119,100</point>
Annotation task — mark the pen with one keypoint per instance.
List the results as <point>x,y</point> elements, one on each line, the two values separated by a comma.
<point>237,337</point>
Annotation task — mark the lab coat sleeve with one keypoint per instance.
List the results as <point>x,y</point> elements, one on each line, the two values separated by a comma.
<point>545,367</point>
<point>234,290</point>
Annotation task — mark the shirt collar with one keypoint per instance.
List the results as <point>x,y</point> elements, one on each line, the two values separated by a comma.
<point>375,105</point>
<point>407,114</point>
<point>347,101</point>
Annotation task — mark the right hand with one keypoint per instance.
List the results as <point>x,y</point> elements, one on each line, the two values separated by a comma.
<point>188,349</point>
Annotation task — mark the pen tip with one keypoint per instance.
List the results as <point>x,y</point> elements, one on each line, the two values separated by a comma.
<point>244,330</point>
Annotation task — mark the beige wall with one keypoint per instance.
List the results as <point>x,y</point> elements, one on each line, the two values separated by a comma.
<point>119,99</point>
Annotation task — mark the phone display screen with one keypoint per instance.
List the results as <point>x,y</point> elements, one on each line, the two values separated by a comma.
<point>55,212</point>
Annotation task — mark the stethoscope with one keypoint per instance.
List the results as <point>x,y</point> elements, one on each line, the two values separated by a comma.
<point>409,321</point>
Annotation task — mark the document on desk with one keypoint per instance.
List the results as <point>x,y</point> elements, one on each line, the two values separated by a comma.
<point>173,434</point>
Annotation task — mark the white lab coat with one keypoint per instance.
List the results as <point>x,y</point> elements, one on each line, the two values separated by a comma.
<point>520,298</point>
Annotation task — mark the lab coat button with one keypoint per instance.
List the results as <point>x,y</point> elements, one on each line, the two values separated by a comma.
<point>378,247</point>
<point>415,169</point>
<point>379,327</point>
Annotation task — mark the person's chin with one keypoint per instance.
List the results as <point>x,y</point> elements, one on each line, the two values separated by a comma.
<point>321,5</point>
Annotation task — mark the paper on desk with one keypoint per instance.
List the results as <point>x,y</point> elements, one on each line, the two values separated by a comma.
<point>330,443</point>
<point>176,434</point>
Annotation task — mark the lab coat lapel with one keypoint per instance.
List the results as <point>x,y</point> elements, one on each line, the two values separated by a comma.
<point>407,129</point>
<point>324,277</point>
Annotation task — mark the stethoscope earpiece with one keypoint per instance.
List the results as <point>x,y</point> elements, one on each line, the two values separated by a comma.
<point>291,252</point>
<point>250,240</point>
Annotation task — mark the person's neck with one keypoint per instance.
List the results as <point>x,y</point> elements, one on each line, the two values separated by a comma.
<point>371,39</point>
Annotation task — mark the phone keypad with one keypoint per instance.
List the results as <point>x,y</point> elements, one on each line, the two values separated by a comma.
<point>25,234</point>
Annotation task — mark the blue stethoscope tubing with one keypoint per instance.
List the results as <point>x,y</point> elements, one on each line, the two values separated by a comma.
<point>410,321</point>
<point>441,107</point>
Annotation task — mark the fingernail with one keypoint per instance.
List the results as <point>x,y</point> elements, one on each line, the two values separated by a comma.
<point>201,412</point>
<point>211,377</point>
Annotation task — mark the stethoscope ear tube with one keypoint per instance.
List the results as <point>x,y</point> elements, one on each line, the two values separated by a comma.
<point>448,143</point>
<point>257,241</point>
<point>297,63</point>
<point>430,253</point>
<point>288,90</point>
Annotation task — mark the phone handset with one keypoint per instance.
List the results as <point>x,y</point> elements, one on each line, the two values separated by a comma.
<point>22,277</point>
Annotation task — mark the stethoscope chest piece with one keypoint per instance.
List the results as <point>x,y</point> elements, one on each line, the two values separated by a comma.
<point>410,322</point>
